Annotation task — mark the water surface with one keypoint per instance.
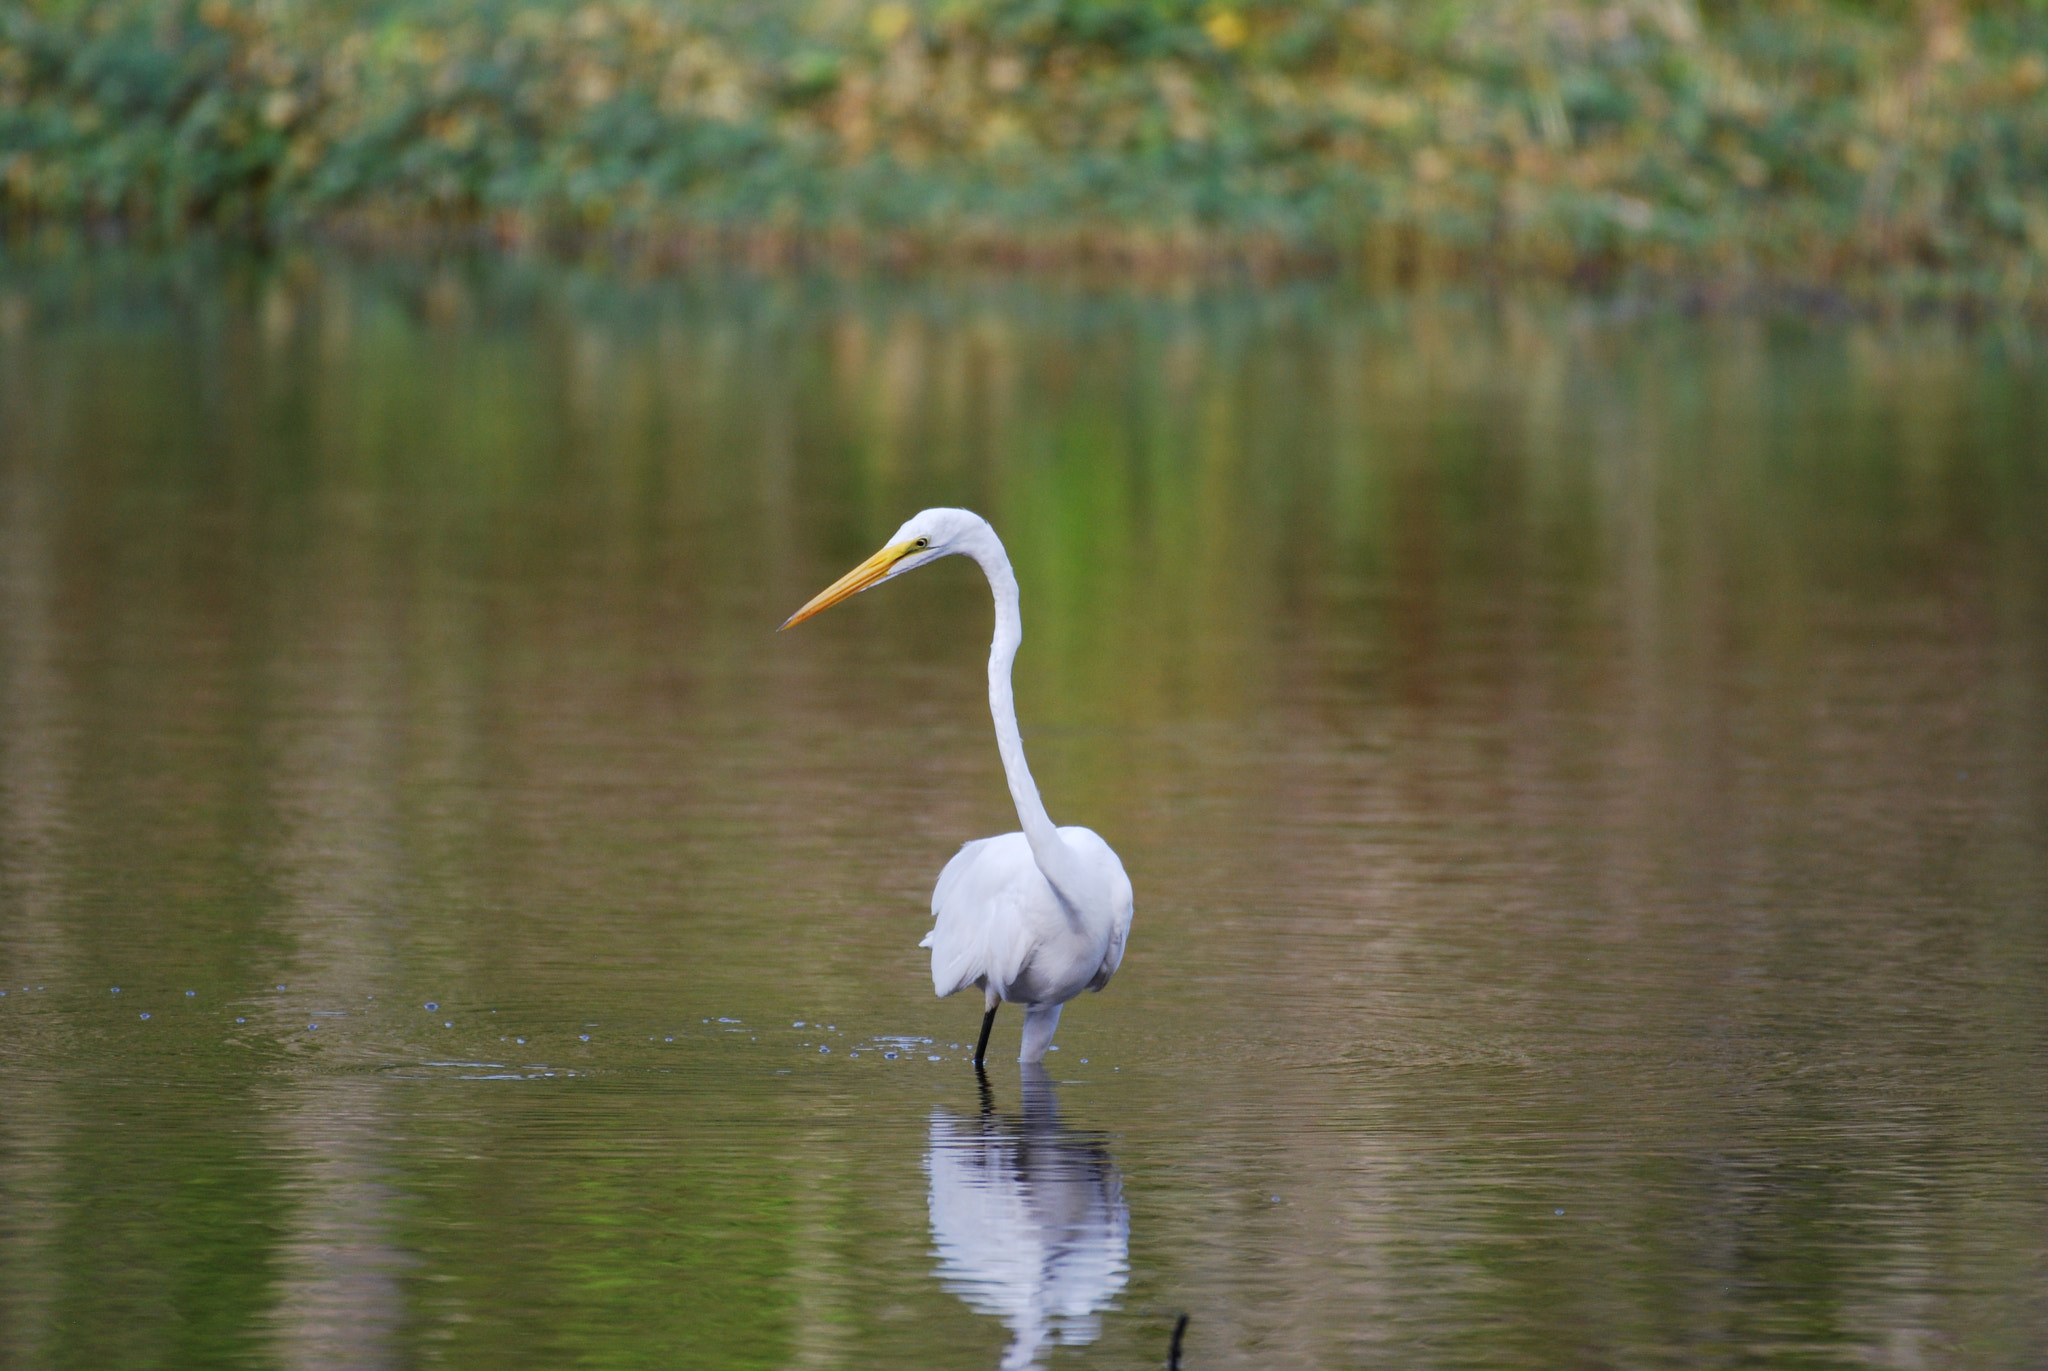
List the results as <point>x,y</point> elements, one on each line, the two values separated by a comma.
<point>1585,781</point>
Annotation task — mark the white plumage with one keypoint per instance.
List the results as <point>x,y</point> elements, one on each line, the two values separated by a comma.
<point>1030,918</point>
<point>997,924</point>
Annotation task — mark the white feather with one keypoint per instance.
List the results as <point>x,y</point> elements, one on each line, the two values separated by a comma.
<point>998,924</point>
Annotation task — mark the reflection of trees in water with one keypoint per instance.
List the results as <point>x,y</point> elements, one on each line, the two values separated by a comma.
<point>35,767</point>
<point>1028,1220</point>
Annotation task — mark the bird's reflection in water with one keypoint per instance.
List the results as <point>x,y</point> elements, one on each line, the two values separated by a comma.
<point>1028,1220</point>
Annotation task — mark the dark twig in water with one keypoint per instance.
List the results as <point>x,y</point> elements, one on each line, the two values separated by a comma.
<point>1180,1326</point>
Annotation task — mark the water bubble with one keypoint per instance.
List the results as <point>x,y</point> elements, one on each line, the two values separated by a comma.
<point>824,1049</point>
<point>113,990</point>
<point>935,1059</point>
<point>729,1020</point>
<point>311,1026</point>
<point>1276,1199</point>
<point>1084,1061</point>
<point>584,1037</point>
<point>1557,1211</point>
<point>190,993</point>
<point>431,1004</point>
<point>798,1024</point>
<point>145,1016</point>
<point>241,1021</point>
<point>519,1040</point>
<point>280,987</point>
<point>449,1024</point>
<point>1052,1049</point>
<point>891,1056</point>
<point>853,1054</point>
<point>668,1040</point>
<point>956,1047</point>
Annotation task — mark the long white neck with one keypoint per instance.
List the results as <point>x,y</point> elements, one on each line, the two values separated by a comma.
<point>1054,858</point>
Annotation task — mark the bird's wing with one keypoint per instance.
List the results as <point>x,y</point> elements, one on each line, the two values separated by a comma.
<point>1122,906</point>
<point>1114,958</point>
<point>979,924</point>
<point>949,879</point>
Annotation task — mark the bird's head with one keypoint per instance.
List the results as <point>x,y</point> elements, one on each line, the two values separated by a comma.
<point>925,537</point>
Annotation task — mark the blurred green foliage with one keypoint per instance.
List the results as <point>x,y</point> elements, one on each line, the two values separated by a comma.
<point>1788,140</point>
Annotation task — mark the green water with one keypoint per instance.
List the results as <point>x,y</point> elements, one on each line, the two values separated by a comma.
<point>1585,780</point>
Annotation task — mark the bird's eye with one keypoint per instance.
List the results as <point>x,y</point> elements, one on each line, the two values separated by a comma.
<point>922,542</point>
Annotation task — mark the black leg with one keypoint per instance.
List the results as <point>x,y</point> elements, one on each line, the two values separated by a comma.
<point>988,1021</point>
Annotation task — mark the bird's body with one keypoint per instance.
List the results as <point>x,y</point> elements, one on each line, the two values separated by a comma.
<point>998,925</point>
<point>1030,918</point>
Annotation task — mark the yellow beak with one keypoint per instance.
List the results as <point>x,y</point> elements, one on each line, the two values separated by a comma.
<point>853,582</point>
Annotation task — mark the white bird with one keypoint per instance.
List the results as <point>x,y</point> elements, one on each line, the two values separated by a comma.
<point>1032,918</point>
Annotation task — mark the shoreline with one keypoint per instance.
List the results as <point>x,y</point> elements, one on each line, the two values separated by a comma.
<point>1088,261</point>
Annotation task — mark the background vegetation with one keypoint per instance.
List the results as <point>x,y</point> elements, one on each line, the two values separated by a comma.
<point>1781,140</point>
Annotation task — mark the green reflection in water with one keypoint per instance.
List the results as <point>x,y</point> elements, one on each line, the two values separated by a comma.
<point>1566,765</point>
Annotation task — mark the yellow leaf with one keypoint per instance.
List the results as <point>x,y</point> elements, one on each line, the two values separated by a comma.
<point>1226,29</point>
<point>889,20</point>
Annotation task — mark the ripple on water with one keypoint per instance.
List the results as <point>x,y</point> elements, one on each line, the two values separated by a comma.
<point>476,1071</point>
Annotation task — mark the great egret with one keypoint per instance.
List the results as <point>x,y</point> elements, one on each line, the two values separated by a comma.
<point>1036,917</point>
